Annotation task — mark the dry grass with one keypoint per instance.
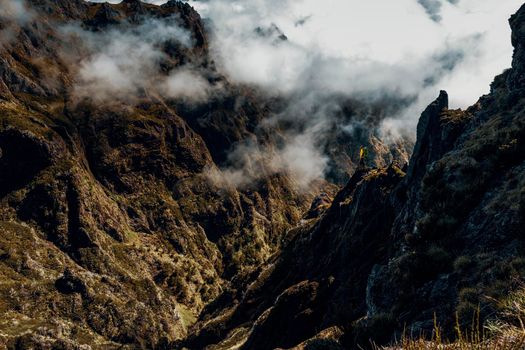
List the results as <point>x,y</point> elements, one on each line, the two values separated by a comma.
<point>507,332</point>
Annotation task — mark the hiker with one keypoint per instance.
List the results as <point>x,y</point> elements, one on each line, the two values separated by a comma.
<point>363,155</point>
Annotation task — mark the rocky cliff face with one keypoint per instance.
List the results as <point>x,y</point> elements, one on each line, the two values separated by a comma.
<point>111,231</point>
<point>400,249</point>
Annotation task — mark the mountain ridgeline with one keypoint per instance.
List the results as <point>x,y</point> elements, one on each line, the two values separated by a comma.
<point>122,225</point>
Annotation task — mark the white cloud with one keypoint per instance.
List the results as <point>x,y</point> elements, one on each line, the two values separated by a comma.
<point>118,71</point>
<point>374,50</point>
<point>302,160</point>
<point>12,12</point>
<point>249,162</point>
<point>363,50</point>
<point>363,38</point>
<point>124,63</point>
<point>187,84</point>
<point>355,46</point>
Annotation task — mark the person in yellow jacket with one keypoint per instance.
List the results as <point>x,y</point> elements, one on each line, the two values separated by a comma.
<point>363,155</point>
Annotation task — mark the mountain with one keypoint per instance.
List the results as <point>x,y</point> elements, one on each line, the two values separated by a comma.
<point>126,222</point>
<point>112,232</point>
<point>119,217</point>
<point>400,251</point>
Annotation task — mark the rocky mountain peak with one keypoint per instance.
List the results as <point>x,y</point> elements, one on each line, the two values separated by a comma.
<point>428,145</point>
<point>517,23</point>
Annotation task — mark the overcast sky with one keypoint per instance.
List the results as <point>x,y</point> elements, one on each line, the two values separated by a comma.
<point>402,34</point>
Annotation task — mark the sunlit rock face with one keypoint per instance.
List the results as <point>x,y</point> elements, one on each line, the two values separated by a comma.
<point>117,225</point>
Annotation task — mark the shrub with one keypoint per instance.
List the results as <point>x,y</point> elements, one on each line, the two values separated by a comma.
<point>463,263</point>
<point>378,328</point>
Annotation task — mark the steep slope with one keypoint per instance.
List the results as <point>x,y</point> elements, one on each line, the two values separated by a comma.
<point>399,250</point>
<point>112,232</point>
